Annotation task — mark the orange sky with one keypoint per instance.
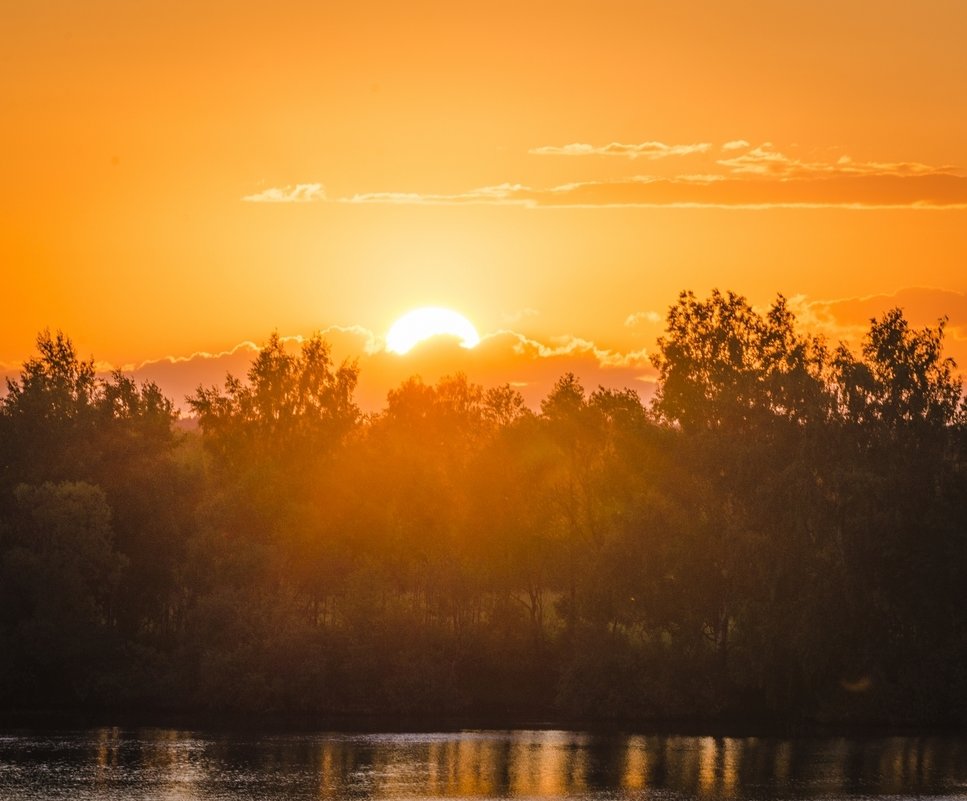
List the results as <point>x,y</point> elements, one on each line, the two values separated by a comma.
<point>182,178</point>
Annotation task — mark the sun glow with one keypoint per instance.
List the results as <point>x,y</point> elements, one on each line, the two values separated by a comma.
<point>430,321</point>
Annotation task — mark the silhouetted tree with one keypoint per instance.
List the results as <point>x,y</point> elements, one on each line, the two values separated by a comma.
<point>60,573</point>
<point>780,533</point>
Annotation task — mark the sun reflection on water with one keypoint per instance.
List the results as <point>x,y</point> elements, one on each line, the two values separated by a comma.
<point>113,764</point>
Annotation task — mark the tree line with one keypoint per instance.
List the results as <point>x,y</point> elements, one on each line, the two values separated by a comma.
<point>779,534</point>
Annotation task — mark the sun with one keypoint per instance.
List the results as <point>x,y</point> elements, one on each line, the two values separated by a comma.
<point>430,321</point>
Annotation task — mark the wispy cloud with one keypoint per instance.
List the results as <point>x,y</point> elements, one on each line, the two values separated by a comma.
<point>636,319</point>
<point>859,190</point>
<point>501,194</point>
<point>736,176</point>
<point>294,193</point>
<point>643,150</point>
<point>764,160</point>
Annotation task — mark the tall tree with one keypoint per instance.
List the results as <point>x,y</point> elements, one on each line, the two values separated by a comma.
<point>294,407</point>
<point>59,573</point>
<point>742,388</point>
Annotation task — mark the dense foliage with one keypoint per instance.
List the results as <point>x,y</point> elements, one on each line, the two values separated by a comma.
<point>779,534</point>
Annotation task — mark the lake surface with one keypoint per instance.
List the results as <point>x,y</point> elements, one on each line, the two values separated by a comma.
<point>162,764</point>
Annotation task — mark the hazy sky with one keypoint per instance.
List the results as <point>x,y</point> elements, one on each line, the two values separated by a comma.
<point>184,177</point>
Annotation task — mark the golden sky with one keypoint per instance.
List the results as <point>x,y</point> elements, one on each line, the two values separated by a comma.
<point>182,178</point>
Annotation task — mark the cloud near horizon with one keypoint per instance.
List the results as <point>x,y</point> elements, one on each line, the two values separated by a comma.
<point>760,177</point>
<point>531,365</point>
<point>502,357</point>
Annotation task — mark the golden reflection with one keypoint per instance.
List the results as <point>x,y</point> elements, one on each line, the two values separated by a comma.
<point>168,754</point>
<point>465,764</point>
<point>535,765</point>
<point>708,750</point>
<point>731,754</point>
<point>634,776</point>
<point>330,776</point>
<point>453,767</point>
<point>107,754</point>
<point>892,764</point>
<point>719,763</point>
<point>176,753</point>
<point>903,763</point>
<point>433,758</point>
<point>540,764</point>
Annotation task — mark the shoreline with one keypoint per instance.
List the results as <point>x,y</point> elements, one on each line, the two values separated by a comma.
<point>290,723</point>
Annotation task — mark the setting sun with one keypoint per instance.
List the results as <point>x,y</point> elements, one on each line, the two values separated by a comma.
<point>430,321</point>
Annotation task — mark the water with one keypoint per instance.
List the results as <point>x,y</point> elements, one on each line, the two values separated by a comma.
<point>164,764</point>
